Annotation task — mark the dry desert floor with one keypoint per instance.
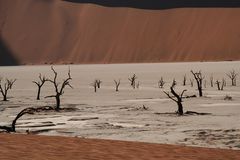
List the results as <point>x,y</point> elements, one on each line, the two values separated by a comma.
<point>112,115</point>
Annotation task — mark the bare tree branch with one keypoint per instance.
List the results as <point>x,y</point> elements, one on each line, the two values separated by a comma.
<point>117,83</point>
<point>161,83</point>
<point>199,79</point>
<point>40,83</point>
<point>183,93</point>
<point>5,87</point>
<point>30,110</point>
<point>178,99</point>
<point>169,96</point>
<point>174,83</point>
<point>133,81</point>
<point>59,91</point>
<point>233,76</point>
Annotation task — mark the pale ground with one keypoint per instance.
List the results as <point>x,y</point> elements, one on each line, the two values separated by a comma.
<point>114,115</point>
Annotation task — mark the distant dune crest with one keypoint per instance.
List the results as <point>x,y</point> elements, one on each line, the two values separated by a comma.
<point>127,31</point>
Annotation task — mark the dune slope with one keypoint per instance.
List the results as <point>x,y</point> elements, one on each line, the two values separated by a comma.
<point>87,31</point>
<point>27,147</point>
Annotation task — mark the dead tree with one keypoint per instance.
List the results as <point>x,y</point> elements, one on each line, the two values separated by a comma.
<point>176,98</point>
<point>218,85</point>
<point>138,85</point>
<point>95,85</point>
<point>233,76</point>
<point>224,82</point>
<point>98,83</point>
<point>12,128</point>
<point>174,83</point>
<point>161,83</point>
<point>191,82</point>
<point>5,87</point>
<point>211,80</point>
<point>184,80</point>
<point>199,79</point>
<point>117,84</point>
<point>133,81</point>
<point>30,110</point>
<point>40,83</point>
<point>59,90</point>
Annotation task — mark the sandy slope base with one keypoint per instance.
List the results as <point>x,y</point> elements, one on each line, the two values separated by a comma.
<point>43,147</point>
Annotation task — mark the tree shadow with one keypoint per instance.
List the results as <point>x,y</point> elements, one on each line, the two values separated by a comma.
<point>163,4</point>
<point>6,55</point>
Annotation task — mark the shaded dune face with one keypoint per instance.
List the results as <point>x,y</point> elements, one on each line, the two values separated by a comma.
<point>162,4</point>
<point>127,31</point>
<point>6,56</point>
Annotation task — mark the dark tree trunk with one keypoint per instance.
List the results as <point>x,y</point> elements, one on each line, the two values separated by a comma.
<point>222,86</point>
<point>38,94</point>
<point>199,84</point>
<point>218,86</point>
<point>233,82</point>
<point>199,79</point>
<point>6,128</point>
<point>13,125</point>
<point>178,99</point>
<point>95,88</point>
<point>133,85</point>
<point>184,80</point>
<point>57,103</point>
<point>200,92</point>
<point>180,108</point>
<point>5,97</point>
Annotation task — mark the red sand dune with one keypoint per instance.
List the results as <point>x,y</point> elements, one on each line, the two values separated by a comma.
<point>56,31</point>
<point>26,147</point>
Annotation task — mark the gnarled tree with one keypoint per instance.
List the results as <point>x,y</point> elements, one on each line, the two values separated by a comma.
<point>233,76</point>
<point>95,85</point>
<point>218,83</point>
<point>6,86</point>
<point>133,81</point>
<point>30,110</point>
<point>176,98</point>
<point>221,85</point>
<point>199,79</point>
<point>161,83</point>
<point>224,82</point>
<point>211,80</point>
<point>117,84</point>
<point>40,83</point>
<point>59,90</point>
<point>98,82</point>
<point>174,83</point>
